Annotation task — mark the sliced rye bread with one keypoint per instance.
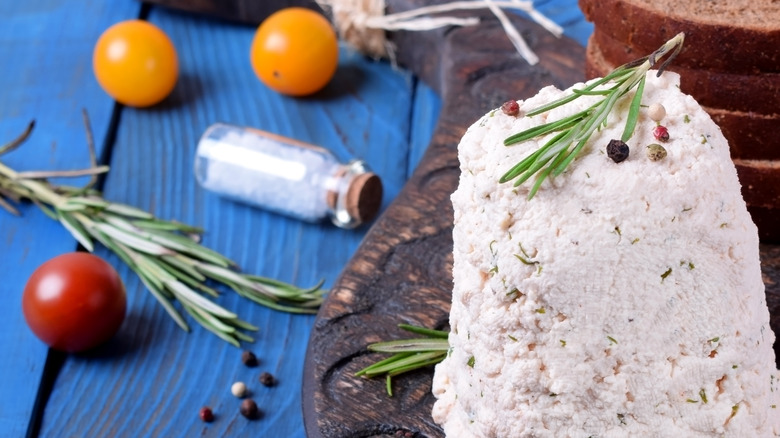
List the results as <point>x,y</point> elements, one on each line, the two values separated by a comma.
<point>754,93</point>
<point>752,136</point>
<point>739,36</point>
<point>760,181</point>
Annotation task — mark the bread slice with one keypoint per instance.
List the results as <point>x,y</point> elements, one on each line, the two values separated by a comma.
<point>760,183</point>
<point>737,36</point>
<point>746,92</point>
<point>752,136</point>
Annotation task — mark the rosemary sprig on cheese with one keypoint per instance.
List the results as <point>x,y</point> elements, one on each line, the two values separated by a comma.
<point>164,254</point>
<point>571,133</point>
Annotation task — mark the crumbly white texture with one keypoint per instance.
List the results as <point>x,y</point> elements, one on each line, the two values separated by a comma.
<point>642,311</point>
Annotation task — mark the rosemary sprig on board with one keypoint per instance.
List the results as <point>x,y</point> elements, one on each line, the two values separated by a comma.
<point>407,354</point>
<point>572,132</point>
<point>164,254</point>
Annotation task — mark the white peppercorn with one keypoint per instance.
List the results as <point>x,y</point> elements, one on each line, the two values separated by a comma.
<point>656,112</point>
<point>238,389</point>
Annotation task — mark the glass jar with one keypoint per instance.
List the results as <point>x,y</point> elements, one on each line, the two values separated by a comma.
<point>286,176</point>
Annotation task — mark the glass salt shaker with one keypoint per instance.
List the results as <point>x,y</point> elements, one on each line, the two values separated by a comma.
<point>286,176</point>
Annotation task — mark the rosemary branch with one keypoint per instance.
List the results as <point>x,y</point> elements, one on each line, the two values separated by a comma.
<point>572,133</point>
<point>164,254</point>
<point>407,354</point>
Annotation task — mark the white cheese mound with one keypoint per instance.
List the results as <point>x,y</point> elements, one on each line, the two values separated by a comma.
<point>622,300</point>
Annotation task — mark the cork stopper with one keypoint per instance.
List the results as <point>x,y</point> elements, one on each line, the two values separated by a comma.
<point>364,196</point>
<point>358,196</point>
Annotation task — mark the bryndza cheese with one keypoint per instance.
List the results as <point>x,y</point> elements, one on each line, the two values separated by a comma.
<point>621,300</point>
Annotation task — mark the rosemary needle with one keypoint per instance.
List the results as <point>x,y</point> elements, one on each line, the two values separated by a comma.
<point>164,254</point>
<point>573,132</point>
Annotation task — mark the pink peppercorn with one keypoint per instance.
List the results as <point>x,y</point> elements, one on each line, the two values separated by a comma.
<point>511,108</point>
<point>661,133</point>
<point>206,414</point>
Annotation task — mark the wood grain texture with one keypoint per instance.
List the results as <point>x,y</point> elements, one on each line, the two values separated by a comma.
<point>402,271</point>
<point>46,76</point>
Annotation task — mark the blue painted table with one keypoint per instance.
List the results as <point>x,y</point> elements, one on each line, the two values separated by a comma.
<point>152,377</point>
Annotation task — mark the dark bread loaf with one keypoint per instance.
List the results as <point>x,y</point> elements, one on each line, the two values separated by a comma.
<point>738,36</point>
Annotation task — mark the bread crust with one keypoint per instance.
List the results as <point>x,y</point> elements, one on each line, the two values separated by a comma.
<point>765,219</point>
<point>755,93</point>
<point>710,46</point>
<point>751,136</point>
<point>760,181</point>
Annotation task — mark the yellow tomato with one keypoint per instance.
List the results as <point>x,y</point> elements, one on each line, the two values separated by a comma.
<point>135,63</point>
<point>295,51</point>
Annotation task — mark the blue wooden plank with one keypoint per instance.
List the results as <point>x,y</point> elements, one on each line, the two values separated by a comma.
<point>152,379</point>
<point>45,46</point>
<point>569,16</point>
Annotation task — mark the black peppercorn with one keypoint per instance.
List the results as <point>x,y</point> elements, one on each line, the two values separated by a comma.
<point>249,409</point>
<point>617,150</point>
<point>267,379</point>
<point>249,359</point>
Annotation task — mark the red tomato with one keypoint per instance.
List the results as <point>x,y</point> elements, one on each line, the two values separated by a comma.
<point>135,63</point>
<point>74,302</point>
<point>295,51</point>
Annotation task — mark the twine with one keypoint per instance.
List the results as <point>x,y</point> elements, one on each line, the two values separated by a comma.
<point>362,23</point>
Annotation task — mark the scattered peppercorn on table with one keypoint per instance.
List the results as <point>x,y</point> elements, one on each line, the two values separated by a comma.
<point>153,378</point>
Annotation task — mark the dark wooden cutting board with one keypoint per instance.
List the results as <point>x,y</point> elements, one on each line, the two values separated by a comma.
<point>402,270</point>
